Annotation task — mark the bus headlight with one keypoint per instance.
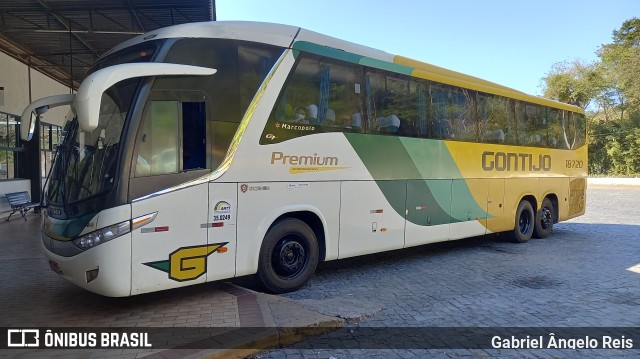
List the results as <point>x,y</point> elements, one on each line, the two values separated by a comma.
<point>100,236</point>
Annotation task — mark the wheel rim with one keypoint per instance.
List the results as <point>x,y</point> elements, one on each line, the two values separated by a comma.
<point>524,222</point>
<point>545,218</point>
<point>289,257</point>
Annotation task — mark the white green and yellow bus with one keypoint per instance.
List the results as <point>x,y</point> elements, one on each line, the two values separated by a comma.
<point>206,151</point>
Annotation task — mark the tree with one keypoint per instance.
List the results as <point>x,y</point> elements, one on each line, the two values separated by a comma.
<point>575,83</point>
<point>629,33</point>
<point>620,61</point>
<point>610,90</point>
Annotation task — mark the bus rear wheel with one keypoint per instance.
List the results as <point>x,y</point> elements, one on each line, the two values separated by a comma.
<point>544,220</point>
<point>525,222</point>
<point>288,256</point>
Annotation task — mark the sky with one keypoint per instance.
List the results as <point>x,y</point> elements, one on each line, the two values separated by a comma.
<point>511,42</point>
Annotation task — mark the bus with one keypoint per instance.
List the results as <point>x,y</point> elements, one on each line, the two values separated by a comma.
<point>207,151</point>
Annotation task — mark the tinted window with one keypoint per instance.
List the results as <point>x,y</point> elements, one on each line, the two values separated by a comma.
<point>145,52</point>
<point>396,104</point>
<point>241,69</point>
<point>440,115</point>
<point>535,126</point>
<point>158,145</point>
<point>325,95</point>
<point>172,138</point>
<point>574,130</point>
<point>320,96</point>
<point>495,123</point>
<point>555,131</point>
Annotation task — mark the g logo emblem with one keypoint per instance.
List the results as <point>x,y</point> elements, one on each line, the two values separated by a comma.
<point>186,263</point>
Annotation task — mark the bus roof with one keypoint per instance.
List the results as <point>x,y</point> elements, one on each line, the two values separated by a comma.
<point>299,38</point>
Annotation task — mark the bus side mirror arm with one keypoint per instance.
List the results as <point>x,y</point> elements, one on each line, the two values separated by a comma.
<point>37,108</point>
<point>87,103</point>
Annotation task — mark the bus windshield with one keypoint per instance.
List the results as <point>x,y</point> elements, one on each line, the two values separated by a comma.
<point>85,163</point>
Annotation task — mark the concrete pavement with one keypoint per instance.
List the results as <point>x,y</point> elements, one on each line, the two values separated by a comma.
<point>34,296</point>
<point>612,181</point>
<point>582,280</point>
<point>583,276</point>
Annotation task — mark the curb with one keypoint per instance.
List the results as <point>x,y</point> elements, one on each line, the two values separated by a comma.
<point>285,323</point>
<point>608,181</point>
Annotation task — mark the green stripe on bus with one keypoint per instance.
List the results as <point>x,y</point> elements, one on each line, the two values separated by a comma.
<point>389,159</point>
<point>396,193</point>
<point>69,228</point>
<point>350,57</point>
<point>385,157</point>
<point>428,202</point>
<point>326,51</point>
<point>424,151</point>
<point>388,66</point>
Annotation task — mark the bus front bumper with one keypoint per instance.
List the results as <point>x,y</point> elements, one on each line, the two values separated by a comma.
<point>104,269</point>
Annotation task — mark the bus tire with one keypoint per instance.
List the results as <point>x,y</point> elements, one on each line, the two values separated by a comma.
<point>288,256</point>
<point>544,220</point>
<point>525,218</point>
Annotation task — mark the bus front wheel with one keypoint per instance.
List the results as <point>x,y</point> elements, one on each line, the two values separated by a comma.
<point>544,220</point>
<point>525,222</point>
<point>288,256</point>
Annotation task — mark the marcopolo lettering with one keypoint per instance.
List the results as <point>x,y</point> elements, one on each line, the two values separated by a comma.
<point>510,161</point>
<point>315,160</point>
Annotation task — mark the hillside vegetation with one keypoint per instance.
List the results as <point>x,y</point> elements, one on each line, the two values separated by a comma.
<point>609,91</point>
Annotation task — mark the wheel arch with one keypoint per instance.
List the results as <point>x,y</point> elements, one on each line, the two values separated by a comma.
<point>532,199</point>
<point>555,203</point>
<point>313,220</point>
<point>290,251</point>
<point>310,215</point>
<point>526,197</point>
<point>516,234</point>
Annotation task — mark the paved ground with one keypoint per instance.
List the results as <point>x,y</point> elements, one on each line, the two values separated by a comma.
<point>581,277</point>
<point>32,295</point>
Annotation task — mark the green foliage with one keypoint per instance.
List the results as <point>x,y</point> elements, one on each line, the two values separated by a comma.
<point>610,89</point>
<point>575,83</point>
<point>629,33</point>
<point>624,152</point>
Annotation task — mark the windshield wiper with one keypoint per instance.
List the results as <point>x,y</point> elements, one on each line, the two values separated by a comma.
<point>105,156</point>
<point>65,150</point>
<point>43,197</point>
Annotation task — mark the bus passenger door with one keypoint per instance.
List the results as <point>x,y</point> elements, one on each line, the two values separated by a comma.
<point>170,193</point>
<point>371,217</point>
<point>170,248</point>
<point>221,230</point>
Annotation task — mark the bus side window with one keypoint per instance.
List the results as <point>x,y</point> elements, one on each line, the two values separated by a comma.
<point>580,127</point>
<point>420,122</point>
<point>536,126</point>
<point>463,114</point>
<point>574,130</point>
<point>158,143</point>
<point>396,104</point>
<point>322,95</point>
<point>493,118</point>
<point>441,125</point>
<point>172,138</point>
<point>555,139</point>
<point>194,136</point>
<point>521,127</point>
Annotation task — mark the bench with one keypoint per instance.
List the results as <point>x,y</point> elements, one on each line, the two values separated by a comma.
<point>20,202</point>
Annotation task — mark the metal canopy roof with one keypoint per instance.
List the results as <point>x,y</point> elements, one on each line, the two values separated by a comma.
<point>63,38</point>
